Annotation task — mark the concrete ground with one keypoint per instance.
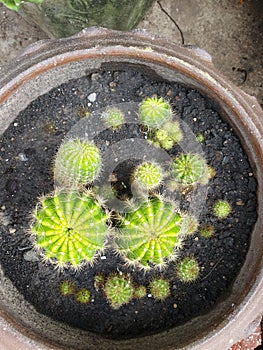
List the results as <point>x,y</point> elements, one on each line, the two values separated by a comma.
<point>230,30</point>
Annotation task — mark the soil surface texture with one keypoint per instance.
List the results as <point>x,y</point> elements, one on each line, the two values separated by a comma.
<point>27,151</point>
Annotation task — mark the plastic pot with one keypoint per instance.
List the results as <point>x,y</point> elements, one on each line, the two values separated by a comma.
<point>64,18</point>
<point>48,64</point>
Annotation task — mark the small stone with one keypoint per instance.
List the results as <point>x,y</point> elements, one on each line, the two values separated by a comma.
<point>31,255</point>
<point>95,76</point>
<point>113,177</point>
<point>92,97</point>
<point>12,230</point>
<point>112,84</point>
<point>22,157</point>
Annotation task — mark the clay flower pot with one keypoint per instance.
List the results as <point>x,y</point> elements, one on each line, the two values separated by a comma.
<point>49,64</point>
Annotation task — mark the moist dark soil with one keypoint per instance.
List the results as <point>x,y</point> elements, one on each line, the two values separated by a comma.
<point>27,150</point>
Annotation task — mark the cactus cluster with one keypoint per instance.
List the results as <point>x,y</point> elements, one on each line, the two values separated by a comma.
<point>71,226</point>
<point>156,115</point>
<point>67,288</point>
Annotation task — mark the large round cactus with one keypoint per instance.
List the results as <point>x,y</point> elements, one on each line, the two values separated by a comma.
<point>149,235</point>
<point>69,228</point>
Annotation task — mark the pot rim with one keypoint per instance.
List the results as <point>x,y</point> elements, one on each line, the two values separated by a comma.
<point>241,111</point>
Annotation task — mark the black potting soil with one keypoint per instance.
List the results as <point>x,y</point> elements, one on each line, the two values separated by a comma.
<point>27,152</point>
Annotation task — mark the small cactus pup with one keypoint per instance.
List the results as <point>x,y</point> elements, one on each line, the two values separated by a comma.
<point>221,209</point>
<point>118,290</point>
<point>189,225</point>
<point>159,288</point>
<point>154,112</point>
<point>77,163</point>
<point>148,175</point>
<point>169,134</point>
<point>69,228</point>
<point>83,296</point>
<point>66,288</point>
<point>113,118</point>
<point>98,281</point>
<point>163,140</point>
<point>200,138</point>
<point>190,169</point>
<point>207,231</point>
<point>139,292</point>
<point>149,236</point>
<point>188,269</point>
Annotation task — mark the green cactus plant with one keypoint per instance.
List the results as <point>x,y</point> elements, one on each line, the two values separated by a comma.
<point>190,169</point>
<point>77,163</point>
<point>163,139</point>
<point>207,231</point>
<point>69,227</point>
<point>189,225</point>
<point>113,118</point>
<point>188,269</point>
<point>154,112</point>
<point>118,290</point>
<point>174,130</point>
<point>150,235</point>
<point>159,288</point>
<point>221,209</point>
<point>139,292</point>
<point>66,288</point>
<point>148,175</point>
<point>83,295</point>
<point>98,281</point>
<point>200,138</point>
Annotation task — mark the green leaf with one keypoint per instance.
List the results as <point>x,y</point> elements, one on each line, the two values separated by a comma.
<point>16,4</point>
